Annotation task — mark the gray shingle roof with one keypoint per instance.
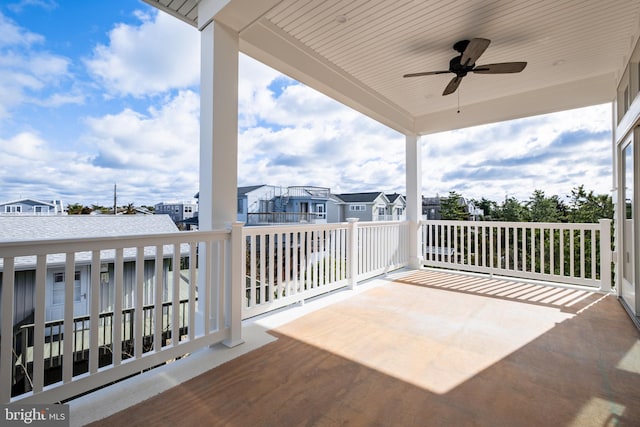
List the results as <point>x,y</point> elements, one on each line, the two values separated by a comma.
<point>360,197</point>
<point>26,227</point>
<point>23,228</point>
<point>392,197</point>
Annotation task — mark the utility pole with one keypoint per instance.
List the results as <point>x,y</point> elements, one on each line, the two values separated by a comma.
<point>115,200</point>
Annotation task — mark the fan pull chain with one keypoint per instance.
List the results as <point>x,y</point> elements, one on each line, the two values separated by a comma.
<point>458,101</point>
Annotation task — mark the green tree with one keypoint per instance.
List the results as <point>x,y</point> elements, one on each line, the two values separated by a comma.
<point>512,210</point>
<point>129,209</point>
<point>78,209</point>
<point>489,207</point>
<point>545,209</point>
<point>74,209</point>
<point>453,207</point>
<point>101,209</point>
<point>589,207</point>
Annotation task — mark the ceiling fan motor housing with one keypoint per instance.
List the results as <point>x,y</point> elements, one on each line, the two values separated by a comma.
<point>456,67</point>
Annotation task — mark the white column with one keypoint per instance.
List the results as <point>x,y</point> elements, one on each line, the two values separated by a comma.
<point>219,167</point>
<point>413,161</point>
<point>218,127</point>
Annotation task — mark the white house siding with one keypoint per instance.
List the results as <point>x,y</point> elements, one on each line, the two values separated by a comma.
<point>24,295</point>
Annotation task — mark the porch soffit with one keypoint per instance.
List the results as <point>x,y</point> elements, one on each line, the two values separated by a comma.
<point>356,51</point>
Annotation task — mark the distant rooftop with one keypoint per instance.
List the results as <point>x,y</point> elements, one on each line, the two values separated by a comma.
<point>27,227</point>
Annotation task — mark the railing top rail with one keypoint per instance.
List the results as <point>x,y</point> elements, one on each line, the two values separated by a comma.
<point>292,228</point>
<point>48,246</point>
<point>373,224</point>
<point>556,225</point>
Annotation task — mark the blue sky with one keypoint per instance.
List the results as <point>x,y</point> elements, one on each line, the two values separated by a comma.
<point>97,93</point>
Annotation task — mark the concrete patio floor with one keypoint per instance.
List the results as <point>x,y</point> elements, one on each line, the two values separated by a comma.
<point>424,348</point>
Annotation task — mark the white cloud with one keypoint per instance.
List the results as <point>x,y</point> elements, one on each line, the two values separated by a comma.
<point>29,75</point>
<point>292,135</point>
<point>12,34</point>
<point>155,152</point>
<point>161,54</point>
<point>289,134</point>
<point>553,153</point>
<point>21,5</point>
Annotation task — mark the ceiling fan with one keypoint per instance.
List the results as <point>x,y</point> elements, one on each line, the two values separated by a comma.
<point>470,51</point>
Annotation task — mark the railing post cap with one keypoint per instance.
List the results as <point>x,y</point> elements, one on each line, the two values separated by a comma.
<point>234,224</point>
<point>353,219</point>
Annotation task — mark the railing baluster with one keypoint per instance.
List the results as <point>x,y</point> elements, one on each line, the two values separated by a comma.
<point>582,254</point>
<point>251,299</point>
<point>532,256</point>
<point>94,313</point>
<point>192,289</point>
<point>67,346</point>
<point>39,323</point>
<point>270,286</point>
<point>138,312</point>
<point>175,300</point>
<point>116,344</point>
<point>223,263</point>
<point>6,339</point>
<point>543,261</point>
<point>571,252</point>
<point>593,255</point>
<point>507,250</point>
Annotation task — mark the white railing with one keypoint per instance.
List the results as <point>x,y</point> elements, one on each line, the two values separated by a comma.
<point>389,217</point>
<point>152,274</point>
<point>577,254</point>
<point>290,263</point>
<point>382,247</point>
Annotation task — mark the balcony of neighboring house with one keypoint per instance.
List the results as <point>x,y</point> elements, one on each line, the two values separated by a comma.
<point>271,218</point>
<point>331,310</point>
<point>297,204</point>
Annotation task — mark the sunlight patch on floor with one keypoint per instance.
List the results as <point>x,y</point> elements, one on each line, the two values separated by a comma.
<point>598,412</point>
<point>431,338</point>
<point>631,360</point>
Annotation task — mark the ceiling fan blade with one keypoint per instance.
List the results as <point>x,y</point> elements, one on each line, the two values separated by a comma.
<point>452,86</point>
<point>426,73</point>
<point>475,48</point>
<point>501,68</point>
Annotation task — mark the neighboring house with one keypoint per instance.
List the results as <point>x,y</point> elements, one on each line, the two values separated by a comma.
<point>396,207</point>
<point>432,207</point>
<point>303,204</point>
<point>268,204</point>
<point>256,199</point>
<point>335,208</point>
<point>364,206</point>
<point>178,211</point>
<point>32,207</point>
<point>24,228</point>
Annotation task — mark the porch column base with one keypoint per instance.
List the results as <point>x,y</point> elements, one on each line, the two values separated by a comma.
<point>416,263</point>
<point>233,343</point>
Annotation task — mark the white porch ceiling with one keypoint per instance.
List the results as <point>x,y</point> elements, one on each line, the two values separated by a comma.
<point>356,51</point>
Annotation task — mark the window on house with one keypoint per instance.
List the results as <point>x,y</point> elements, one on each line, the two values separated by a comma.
<point>357,208</point>
<point>58,288</point>
<point>13,209</point>
<point>41,209</point>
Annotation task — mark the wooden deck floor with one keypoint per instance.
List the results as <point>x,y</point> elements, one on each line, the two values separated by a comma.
<point>427,349</point>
